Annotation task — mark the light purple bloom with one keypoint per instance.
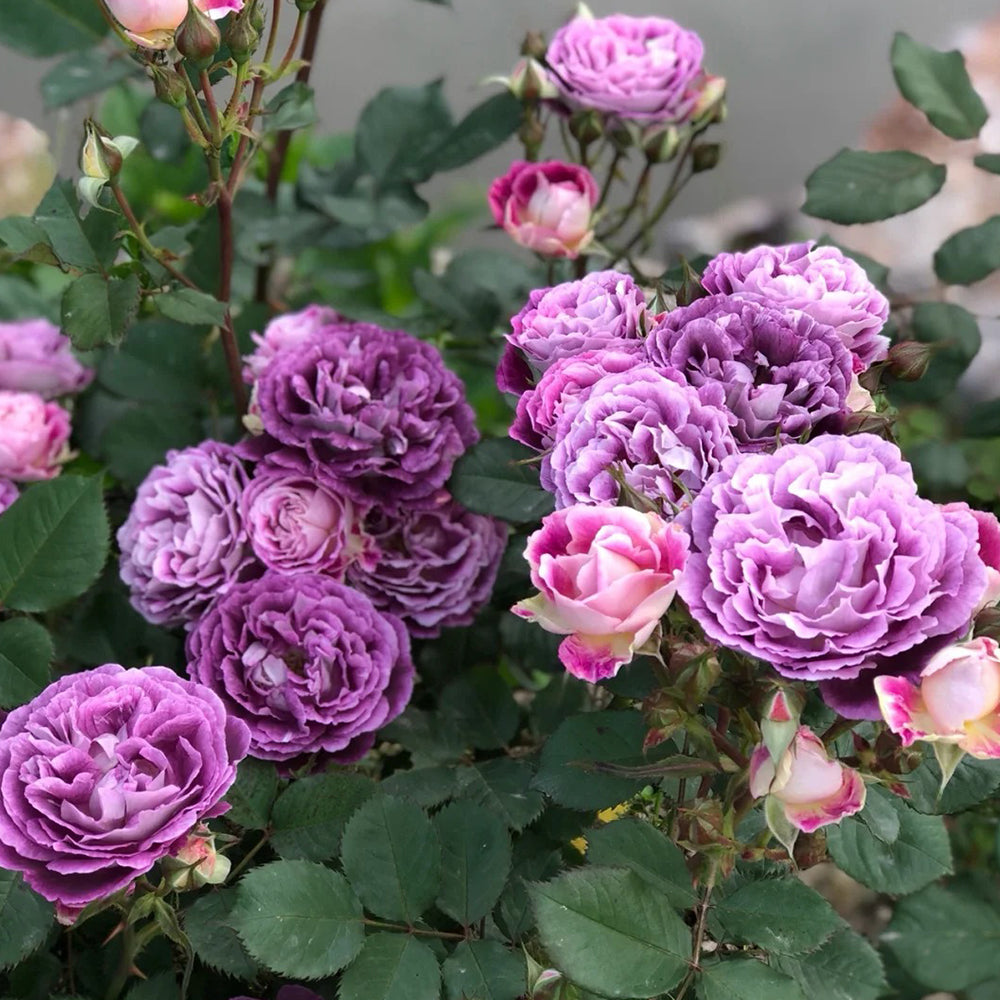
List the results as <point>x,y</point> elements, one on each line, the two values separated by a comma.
<point>822,559</point>
<point>36,357</point>
<point>600,311</point>
<point>105,772</point>
<point>647,69</point>
<point>784,375</point>
<point>435,568</point>
<point>184,542</point>
<point>286,331</point>
<point>819,281</point>
<point>666,437</point>
<point>8,493</point>
<point>310,665</point>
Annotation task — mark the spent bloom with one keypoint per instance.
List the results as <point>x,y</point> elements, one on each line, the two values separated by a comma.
<point>547,207</point>
<point>605,576</point>
<point>287,331</point>
<point>151,23</point>
<point>36,357</point>
<point>105,772</point>
<point>34,436</point>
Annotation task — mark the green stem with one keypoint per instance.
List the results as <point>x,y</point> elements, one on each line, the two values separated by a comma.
<point>249,856</point>
<point>406,929</point>
<point>633,201</point>
<point>609,180</point>
<point>195,105</point>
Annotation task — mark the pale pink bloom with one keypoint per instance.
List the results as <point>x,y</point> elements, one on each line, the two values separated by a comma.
<point>196,862</point>
<point>152,23</point>
<point>33,436</point>
<point>859,399</point>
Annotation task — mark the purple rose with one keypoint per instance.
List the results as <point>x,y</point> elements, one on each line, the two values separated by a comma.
<point>36,357</point>
<point>647,69</point>
<point>435,567</point>
<point>822,559</point>
<point>373,412</point>
<point>602,310</point>
<point>819,281</point>
<point>286,331</point>
<point>8,493</point>
<point>310,665</point>
<point>105,772</point>
<point>295,523</point>
<point>665,437</point>
<point>184,542</point>
<point>783,374</point>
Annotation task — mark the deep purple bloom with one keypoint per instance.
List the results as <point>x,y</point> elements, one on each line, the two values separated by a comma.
<point>310,665</point>
<point>373,411</point>
<point>665,436</point>
<point>822,559</point>
<point>184,543</point>
<point>819,281</point>
<point>598,312</point>
<point>435,567</point>
<point>105,772</point>
<point>783,374</point>
<point>36,357</point>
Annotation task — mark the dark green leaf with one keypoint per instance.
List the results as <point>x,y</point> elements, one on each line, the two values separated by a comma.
<point>857,186</point>
<point>49,27</point>
<point>292,108</point>
<point>214,941</point>
<point>186,305</point>
<point>164,137</point>
<point>427,786</point>
<point>26,240</point>
<point>298,918</point>
<point>973,782</point>
<point>612,932</point>
<point>162,986</point>
<point>846,967</point>
<point>423,735</point>
<point>158,362</point>
<point>484,128</point>
<point>954,333</point>
<point>988,161</point>
<point>746,979</point>
<point>20,299</point>
<point>392,967</point>
<point>490,479</point>
<point>98,310</point>
<point>969,255</point>
<point>481,708</point>
<point>938,84</point>
<point>25,919</point>
<point>504,787</point>
<point>253,794</point>
<point>137,440</point>
<point>484,970</point>
<point>535,860</point>
<point>392,858</point>
<point>25,655</point>
<point>53,543</point>
<point>59,216</point>
<point>475,860</point>
<point>84,73</point>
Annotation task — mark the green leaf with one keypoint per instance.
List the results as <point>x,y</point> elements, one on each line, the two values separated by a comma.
<point>947,938</point>
<point>76,244</point>
<point>392,967</point>
<point>97,310</point>
<point>26,240</point>
<point>427,786</point>
<point>213,939</point>
<point>989,162</point>
<point>503,786</point>
<point>489,479</point>
<point>612,932</point>
<point>779,914</point>
<point>187,305</point>
<point>484,128</point>
<point>973,781</point>
<point>846,967</point>
<point>481,708</point>
<point>49,27</point>
<point>25,919</point>
<point>746,979</point>
<point>308,819</point>
<point>536,860</point>
<point>392,858</point>
<point>938,84</point>
<point>21,299</point>
<point>640,847</point>
<point>856,186</point>
<point>484,970</point>
<point>53,543</point>
<point>292,108</point>
<point>84,73</point>
<point>135,441</point>
<point>162,986</point>
<point>158,362</point>
<point>298,918</point>
<point>969,255</point>
<point>253,794</point>
<point>919,854</point>
<point>475,860</point>
<point>25,654</point>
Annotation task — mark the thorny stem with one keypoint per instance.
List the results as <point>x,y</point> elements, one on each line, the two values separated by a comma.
<point>726,746</point>
<point>699,932</point>
<point>426,932</point>
<point>249,856</point>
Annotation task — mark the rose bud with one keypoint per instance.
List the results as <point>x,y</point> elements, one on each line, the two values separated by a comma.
<point>152,23</point>
<point>546,207</point>
<point>528,81</point>
<point>606,576</point>
<point>811,789</point>
<point>197,38</point>
<point>908,360</point>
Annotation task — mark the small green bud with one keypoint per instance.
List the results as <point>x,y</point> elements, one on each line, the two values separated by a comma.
<point>586,126</point>
<point>705,156</point>
<point>534,45</point>
<point>198,38</point>
<point>169,86</point>
<point>660,143</point>
<point>306,5</point>
<point>242,38</point>
<point>908,360</point>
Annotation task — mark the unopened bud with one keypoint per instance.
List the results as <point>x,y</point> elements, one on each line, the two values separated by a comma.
<point>256,17</point>
<point>242,39</point>
<point>101,159</point>
<point>660,143</point>
<point>529,82</point>
<point>534,45</point>
<point>780,722</point>
<point>169,86</point>
<point>868,422</point>
<point>196,863</point>
<point>705,156</point>
<point>306,5</point>
<point>198,38</point>
<point>586,126</point>
<point>711,105</point>
<point>908,360</point>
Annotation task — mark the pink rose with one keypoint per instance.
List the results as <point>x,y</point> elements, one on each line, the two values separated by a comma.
<point>151,23</point>
<point>287,331</point>
<point>606,576</point>
<point>957,700</point>
<point>546,207</point>
<point>33,436</point>
<point>813,790</point>
<point>36,357</point>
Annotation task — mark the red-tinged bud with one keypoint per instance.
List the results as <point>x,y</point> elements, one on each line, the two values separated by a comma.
<point>198,38</point>
<point>534,45</point>
<point>705,156</point>
<point>908,360</point>
<point>242,38</point>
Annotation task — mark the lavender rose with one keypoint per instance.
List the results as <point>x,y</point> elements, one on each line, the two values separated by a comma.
<point>286,331</point>
<point>435,568</point>
<point>666,437</point>
<point>184,542</point>
<point>783,374</point>
<point>647,69</point>
<point>822,559</point>
<point>819,281</point>
<point>602,310</point>
<point>105,772</point>
<point>36,357</point>
<point>8,493</point>
<point>34,436</point>
<point>310,665</point>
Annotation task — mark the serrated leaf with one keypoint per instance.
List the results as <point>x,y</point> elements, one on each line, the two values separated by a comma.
<point>298,918</point>
<point>391,855</point>
<point>612,932</point>
<point>475,860</point>
<point>291,108</point>
<point>69,236</point>
<point>97,310</point>
<point>162,986</point>
<point>187,305</point>
<point>25,919</point>
<point>309,817</point>
<point>481,708</point>
<point>969,255</point>
<point>484,970</point>
<point>427,786</point>
<point>53,543</point>
<point>973,782</point>
<point>536,860</point>
<point>489,479</point>
<point>252,794</point>
<point>504,787</point>
<point>746,979</point>
<point>857,186</point>
<point>846,967</point>
<point>135,441</point>
<point>25,654</point>
<point>158,363</point>
<point>206,923</point>
<point>392,967</point>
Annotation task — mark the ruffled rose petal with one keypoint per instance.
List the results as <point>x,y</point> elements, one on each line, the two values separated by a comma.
<point>848,801</point>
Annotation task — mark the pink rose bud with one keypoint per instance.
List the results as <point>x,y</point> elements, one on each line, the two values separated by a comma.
<point>812,790</point>
<point>546,207</point>
<point>989,551</point>
<point>196,862</point>
<point>957,700</point>
<point>780,722</point>
<point>152,23</point>
<point>33,436</point>
<point>606,576</point>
